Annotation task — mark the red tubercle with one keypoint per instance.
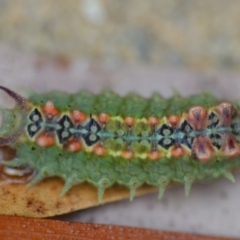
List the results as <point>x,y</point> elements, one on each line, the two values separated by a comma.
<point>129,121</point>
<point>127,154</point>
<point>78,116</point>
<point>103,118</point>
<point>225,111</point>
<point>202,149</point>
<point>230,146</point>
<point>99,150</point>
<point>154,155</point>
<point>198,117</point>
<point>178,151</point>
<point>153,121</point>
<point>49,109</point>
<point>73,146</point>
<point>174,120</point>
<point>45,140</point>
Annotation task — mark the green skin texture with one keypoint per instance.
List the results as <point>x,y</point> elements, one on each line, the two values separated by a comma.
<point>104,171</point>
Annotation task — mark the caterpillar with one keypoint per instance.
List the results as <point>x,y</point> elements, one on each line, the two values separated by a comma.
<point>107,139</point>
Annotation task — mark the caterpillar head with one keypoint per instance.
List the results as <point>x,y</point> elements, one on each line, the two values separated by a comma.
<point>12,119</point>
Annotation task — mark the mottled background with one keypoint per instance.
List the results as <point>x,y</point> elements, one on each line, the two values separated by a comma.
<point>188,46</point>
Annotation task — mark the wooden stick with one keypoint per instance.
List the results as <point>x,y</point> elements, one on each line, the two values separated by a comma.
<point>22,228</point>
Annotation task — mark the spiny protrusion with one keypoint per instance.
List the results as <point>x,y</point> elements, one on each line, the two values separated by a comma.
<point>38,178</point>
<point>102,185</point>
<point>161,191</point>
<point>132,193</point>
<point>133,185</point>
<point>229,176</point>
<point>70,182</point>
<point>100,194</point>
<point>163,182</point>
<point>188,180</point>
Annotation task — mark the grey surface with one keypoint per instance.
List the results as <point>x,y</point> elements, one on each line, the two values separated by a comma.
<point>193,33</point>
<point>211,208</point>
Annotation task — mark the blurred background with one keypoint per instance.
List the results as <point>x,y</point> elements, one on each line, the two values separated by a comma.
<point>194,34</point>
<point>188,46</point>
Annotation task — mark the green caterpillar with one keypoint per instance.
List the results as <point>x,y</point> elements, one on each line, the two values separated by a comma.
<point>106,139</point>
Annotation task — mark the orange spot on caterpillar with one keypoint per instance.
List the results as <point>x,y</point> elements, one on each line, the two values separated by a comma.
<point>73,146</point>
<point>202,149</point>
<point>230,146</point>
<point>130,121</point>
<point>153,121</point>
<point>45,140</point>
<point>103,117</point>
<point>99,150</point>
<point>154,155</point>
<point>198,117</point>
<point>174,120</point>
<point>178,151</point>
<point>78,116</point>
<point>50,109</point>
<point>127,154</point>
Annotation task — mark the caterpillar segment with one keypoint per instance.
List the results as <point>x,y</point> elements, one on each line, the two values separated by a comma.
<point>107,139</point>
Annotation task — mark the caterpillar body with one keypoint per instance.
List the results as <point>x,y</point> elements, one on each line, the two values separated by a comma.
<point>106,139</point>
